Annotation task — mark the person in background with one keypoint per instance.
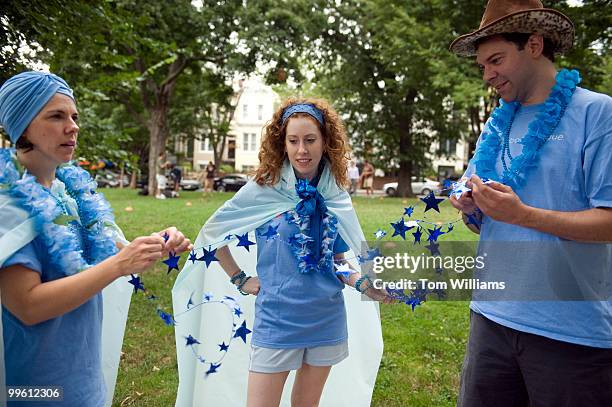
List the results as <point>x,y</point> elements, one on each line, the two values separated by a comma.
<point>368,177</point>
<point>161,180</point>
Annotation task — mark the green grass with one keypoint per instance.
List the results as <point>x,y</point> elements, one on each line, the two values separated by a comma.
<point>423,349</point>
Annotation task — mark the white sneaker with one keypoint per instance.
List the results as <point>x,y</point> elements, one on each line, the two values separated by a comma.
<point>160,196</point>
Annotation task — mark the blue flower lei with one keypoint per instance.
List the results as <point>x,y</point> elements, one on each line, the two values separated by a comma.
<point>72,246</point>
<point>496,135</point>
<point>301,242</point>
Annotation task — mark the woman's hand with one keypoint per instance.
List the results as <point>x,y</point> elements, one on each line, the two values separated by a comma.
<point>139,255</point>
<point>176,242</point>
<point>378,294</point>
<point>251,286</point>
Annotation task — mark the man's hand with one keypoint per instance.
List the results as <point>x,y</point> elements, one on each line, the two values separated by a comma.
<point>498,201</point>
<point>466,203</point>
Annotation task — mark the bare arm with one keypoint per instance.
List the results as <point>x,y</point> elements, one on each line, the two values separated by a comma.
<point>591,225</point>
<point>231,268</point>
<point>499,202</point>
<point>32,301</point>
<point>372,292</point>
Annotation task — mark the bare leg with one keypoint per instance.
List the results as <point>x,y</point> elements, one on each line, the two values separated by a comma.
<point>308,385</point>
<point>265,389</point>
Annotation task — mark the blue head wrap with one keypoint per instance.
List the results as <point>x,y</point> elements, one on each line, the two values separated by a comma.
<point>303,108</point>
<point>24,95</point>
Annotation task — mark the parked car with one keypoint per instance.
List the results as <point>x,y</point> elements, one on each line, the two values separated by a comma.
<point>230,182</point>
<point>190,184</point>
<point>420,186</point>
<point>109,179</point>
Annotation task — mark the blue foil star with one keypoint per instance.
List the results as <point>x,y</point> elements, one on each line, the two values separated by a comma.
<point>417,235</point>
<point>209,256</point>
<point>380,234</point>
<point>190,302</point>
<point>434,248</point>
<point>166,236</point>
<point>270,233</point>
<point>238,312</point>
<point>223,347</point>
<point>193,256</point>
<point>135,281</point>
<point>191,341</point>
<point>242,332</point>
<point>432,202</point>
<point>435,233</point>
<point>374,253</point>
<point>172,262</point>
<point>167,318</point>
<point>400,228</point>
<point>344,270</point>
<point>207,297</point>
<point>450,228</point>
<point>408,211</point>
<point>228,237</point>
<point>213,368</point>
<point>244,241</point>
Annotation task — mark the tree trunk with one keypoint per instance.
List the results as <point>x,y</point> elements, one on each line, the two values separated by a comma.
<point>157,141</point>
<point>404,185</point>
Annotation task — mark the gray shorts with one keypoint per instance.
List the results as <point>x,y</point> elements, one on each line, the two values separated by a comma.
<point>267,360</point>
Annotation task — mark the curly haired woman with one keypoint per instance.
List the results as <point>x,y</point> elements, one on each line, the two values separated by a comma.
<point>304,223</point>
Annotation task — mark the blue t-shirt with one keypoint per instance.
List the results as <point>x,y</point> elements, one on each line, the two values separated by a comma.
<point>64,351</point>
<point>574,173</point>
<point>296,310</point>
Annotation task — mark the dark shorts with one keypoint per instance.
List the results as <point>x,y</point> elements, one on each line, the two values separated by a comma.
<point>505,367</point>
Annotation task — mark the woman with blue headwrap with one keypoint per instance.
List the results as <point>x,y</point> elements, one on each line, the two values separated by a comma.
<point>304,222</point>
<point>59,247</point>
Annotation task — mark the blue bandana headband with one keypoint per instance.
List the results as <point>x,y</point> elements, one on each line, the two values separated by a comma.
<point>24,95</point>
<point>303,108</point>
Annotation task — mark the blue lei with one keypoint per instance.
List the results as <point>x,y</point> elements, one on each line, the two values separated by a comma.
<point>72,246</point>
<point>496,135</point>
<point>301,243</point>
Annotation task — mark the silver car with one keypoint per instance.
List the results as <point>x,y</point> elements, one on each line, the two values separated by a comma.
<point>420,186</point>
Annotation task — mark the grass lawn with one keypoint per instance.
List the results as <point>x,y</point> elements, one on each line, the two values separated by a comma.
<point>423,349</point>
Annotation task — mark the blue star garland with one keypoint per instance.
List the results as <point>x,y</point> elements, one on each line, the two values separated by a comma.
<point>242,332</point>
<point>209,256</point>
<point>432,202</point>
<point>172,262</point>
<point>243,241</point>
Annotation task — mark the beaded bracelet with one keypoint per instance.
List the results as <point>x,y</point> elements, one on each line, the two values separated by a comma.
<point>360,281</point>
<point>242,283</point>
<point>238,277</point>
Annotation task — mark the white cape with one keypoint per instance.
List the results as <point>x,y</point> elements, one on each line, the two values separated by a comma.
<point>350,383</point>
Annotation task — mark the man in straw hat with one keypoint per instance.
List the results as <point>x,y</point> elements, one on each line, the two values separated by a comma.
<point>545,220</point>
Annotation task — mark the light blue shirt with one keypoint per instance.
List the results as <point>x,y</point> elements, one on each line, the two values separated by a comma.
<point>296,310</point>
<point>574,173</point>
<point>64,351</point>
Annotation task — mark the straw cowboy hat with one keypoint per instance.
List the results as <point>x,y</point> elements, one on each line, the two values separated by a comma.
<point>519,16</point>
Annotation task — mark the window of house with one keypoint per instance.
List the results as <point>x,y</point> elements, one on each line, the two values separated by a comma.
<point>260,112</point>
<point>448,146</point>
<point>245,141</point>
<point>205,145</point>
<point>253,142</point>
<point>245,111</point>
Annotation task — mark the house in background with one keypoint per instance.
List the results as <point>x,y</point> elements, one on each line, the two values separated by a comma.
<point>254,109</point>
<point>454,158</point>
